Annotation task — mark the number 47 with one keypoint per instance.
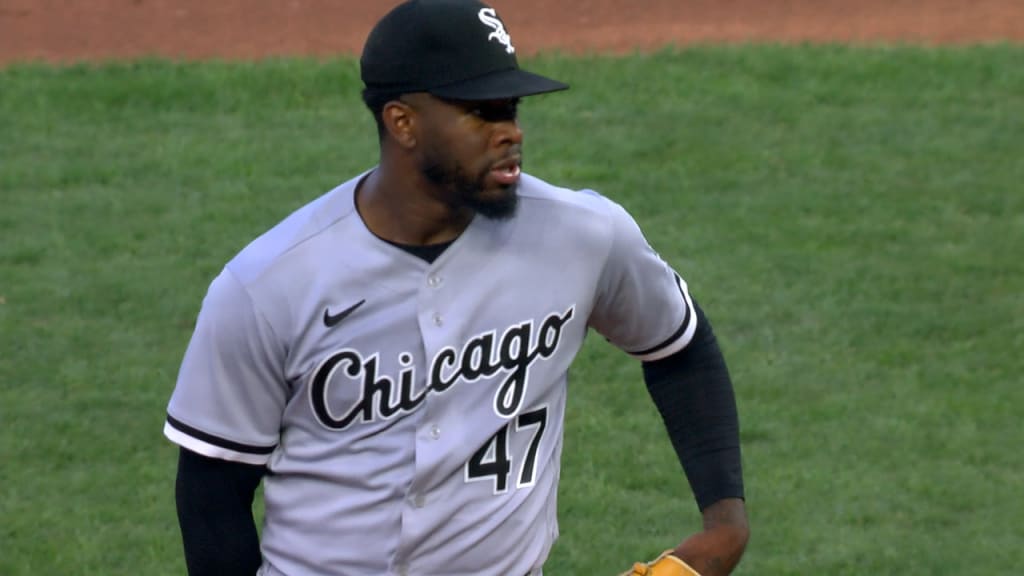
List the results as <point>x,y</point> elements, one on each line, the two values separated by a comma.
<point>492,461</point>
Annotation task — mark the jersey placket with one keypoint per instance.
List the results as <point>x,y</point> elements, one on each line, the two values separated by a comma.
<point>417,513</point>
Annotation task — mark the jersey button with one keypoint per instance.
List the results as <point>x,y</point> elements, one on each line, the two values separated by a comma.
<point>434,281</point>
<point>435,432</point>
<point>438,320</point>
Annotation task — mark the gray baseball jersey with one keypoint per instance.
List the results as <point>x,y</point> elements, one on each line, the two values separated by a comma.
<point>410,413</point>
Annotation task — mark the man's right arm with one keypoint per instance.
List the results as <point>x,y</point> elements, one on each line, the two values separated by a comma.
<point>214,499</point>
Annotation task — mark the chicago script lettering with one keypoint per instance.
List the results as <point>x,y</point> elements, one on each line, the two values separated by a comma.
<point>480,357</point>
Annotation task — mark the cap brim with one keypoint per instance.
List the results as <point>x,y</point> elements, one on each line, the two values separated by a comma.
<point>498,86</point>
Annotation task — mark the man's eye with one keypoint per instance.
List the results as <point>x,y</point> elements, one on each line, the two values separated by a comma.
<point>495,112</point>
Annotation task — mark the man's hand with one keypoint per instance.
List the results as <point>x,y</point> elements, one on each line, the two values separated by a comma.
<point>717,549</point>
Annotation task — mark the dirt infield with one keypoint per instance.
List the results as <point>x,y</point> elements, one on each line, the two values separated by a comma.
<point>71,30</point>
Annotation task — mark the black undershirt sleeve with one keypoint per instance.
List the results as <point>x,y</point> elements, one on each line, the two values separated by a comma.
<point>214,499</point>
<point>693,392</point>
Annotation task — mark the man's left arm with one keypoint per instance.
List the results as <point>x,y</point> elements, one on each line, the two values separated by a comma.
<point>693,392</point>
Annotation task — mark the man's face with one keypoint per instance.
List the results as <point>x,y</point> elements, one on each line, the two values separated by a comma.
<point>471,151</point>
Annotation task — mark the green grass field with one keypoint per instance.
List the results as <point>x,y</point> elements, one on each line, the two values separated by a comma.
<point>852,220</point>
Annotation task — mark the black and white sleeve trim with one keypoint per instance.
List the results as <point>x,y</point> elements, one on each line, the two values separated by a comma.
<point>213,446</point>
<point>680,338</point>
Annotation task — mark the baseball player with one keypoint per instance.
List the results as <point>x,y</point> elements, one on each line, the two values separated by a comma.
<point>390,360</point>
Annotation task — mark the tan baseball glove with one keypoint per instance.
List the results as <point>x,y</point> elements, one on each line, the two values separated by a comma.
<point>664,565</point>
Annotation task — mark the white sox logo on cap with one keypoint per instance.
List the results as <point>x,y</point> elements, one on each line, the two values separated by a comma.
<point>490,18</point>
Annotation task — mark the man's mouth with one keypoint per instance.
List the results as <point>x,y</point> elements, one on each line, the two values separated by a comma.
<point>506,172</point>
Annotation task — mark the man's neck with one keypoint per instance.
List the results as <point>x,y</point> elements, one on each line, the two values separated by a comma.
<point>398,212</point>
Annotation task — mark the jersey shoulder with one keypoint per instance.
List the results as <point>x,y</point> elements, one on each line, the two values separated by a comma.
<point>584,213</point>
<point>295,231</point>
<point>535,189</point>
<point>573,208</point>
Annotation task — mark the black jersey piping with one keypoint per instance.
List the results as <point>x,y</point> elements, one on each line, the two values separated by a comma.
<point>687,319</point>
<point>217,441</point>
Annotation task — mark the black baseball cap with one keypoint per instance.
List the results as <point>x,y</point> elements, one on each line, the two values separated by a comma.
<point>453,49</point>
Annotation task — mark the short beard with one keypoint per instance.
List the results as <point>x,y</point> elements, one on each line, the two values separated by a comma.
<point>468,193</point>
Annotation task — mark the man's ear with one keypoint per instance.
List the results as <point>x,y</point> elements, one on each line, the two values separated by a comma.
<point>400,121</point>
